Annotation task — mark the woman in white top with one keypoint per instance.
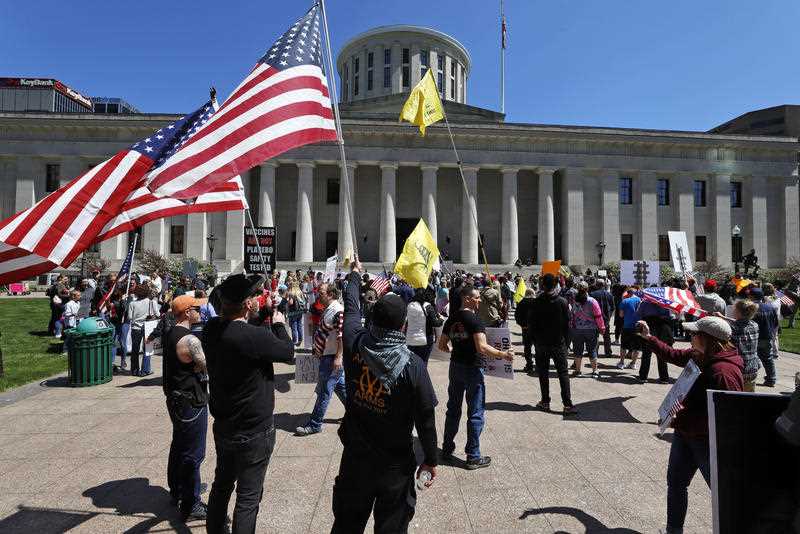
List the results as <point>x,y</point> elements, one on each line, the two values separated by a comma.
<point>140,310</point>
<point>421,321</point>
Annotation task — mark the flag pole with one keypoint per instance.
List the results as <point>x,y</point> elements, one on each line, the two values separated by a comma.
<point>502,58</point>
<point>130,269</point>
<point>340,136</point>
<point>258,241</point>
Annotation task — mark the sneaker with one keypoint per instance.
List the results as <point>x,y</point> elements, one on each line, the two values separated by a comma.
<point>630,366</point>
<point>768,384</point>
<point>306,430</point>
<point>663,381</point>
<point>570,410</point>
<point>477,463</point>
<point>199,512</point>
<point>595,374</point>
<point>544,406</point>
<point>621,365</point>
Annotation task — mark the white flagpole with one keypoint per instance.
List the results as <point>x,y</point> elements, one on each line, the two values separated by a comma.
<point>337,118</point>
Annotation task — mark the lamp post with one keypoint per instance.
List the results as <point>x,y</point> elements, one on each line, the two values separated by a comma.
<point>735,232</point>
<point>601,248</point>
<point>210,240</point>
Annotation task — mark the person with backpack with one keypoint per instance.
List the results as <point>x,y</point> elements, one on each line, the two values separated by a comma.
<point>421,322</point>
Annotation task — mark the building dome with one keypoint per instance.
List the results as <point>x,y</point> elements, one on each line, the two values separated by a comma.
<point>390,60</point>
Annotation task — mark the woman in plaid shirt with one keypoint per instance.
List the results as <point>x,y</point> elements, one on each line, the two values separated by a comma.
<point>744,337</point>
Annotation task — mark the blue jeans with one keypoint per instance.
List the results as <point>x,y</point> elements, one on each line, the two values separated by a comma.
<point>465,379</point>
<point>767,357</point>
<point>58,326</point>
<point>686,456</point>
<point>328,383</point>
<point>584,342</point>
<point>296,326</point>
<point>187,451</point>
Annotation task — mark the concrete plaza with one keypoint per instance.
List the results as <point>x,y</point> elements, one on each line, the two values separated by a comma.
<point>94,460</point>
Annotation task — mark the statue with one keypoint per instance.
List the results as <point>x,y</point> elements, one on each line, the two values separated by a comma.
<point>751,261</point>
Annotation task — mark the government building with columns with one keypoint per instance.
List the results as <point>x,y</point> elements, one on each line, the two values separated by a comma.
<point>541,192</point>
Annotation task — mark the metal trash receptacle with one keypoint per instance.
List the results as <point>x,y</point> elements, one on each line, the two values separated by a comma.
<point>90,352</point>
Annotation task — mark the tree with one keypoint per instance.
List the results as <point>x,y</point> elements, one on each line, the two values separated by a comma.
<point>98,264</point>
<point>153,261</point>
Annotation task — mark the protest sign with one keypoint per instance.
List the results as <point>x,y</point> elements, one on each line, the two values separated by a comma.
<point>679,250</point>
<point>330,268</point>
<point>154,348</point>
<point>499,338</point>
<point>551,267</point>
<point>306,369</point>
<point>676,395</point>
<point>640,273</point>
<point>252,259</point>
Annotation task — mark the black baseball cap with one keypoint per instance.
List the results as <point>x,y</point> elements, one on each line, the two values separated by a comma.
<point>389,312</point>
<point>239,287</point>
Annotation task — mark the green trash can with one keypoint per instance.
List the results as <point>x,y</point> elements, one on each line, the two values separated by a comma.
<point>91,352</point>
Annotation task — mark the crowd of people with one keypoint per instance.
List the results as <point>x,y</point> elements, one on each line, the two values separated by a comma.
<point>373,336</point>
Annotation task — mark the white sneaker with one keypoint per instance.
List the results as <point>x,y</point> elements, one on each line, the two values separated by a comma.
<point>630,366</point>
<point>620,365</point>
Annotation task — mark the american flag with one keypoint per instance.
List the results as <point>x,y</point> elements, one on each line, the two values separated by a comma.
<point>58,228</point>
<point>282,104</point>
<point>676,300</point>
<point>123,271</point>
<point>380,283</point>
<point>786,300</point>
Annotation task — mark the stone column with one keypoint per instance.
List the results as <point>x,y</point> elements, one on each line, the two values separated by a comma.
<point>429,185</point>
<point>26,183</point>
<point>345,244</point>
<point>196,233</point>
<point>234,237</point>
<point>546,233</point>
<point>684,209</point>
<point>304,241</point>
<point>573,236</point>
<point>509,251</point>
<point>71,168</point>
<point>397,68</point>
<point>266,194</point>
<point>414,65</point>
<point>388,243</point>
<point>153,236</point>
<point>609,203</point>
<point>756,231</point>
<point>469,230</point>
<point>721,219</point>
<point>790,205</point>
<point>647,215</point>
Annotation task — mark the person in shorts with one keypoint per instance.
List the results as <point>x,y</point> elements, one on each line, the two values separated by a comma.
<point>630,340</point>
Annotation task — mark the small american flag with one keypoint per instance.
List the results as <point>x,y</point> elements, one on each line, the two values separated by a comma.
<point>786,300</point>
<point>123,272</point>
<point>282,104</point>
<point>380,283</point>
<point>676,300</point>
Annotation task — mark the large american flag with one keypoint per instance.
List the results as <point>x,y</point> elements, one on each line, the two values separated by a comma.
<point>676,300</point>
<point>58,228</point>
<point>282,104</point>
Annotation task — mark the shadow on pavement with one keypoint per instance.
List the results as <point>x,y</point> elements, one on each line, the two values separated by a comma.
<point>152,381</point>
<point>611,410</point>
<point>590,523</point>
<point>58,382</point>
<point>282,384</point>
<point>43,520</point>
<point>509,407</point>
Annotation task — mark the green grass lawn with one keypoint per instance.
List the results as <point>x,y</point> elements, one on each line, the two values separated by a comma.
<point>29,354</point>
<point>790,337</point>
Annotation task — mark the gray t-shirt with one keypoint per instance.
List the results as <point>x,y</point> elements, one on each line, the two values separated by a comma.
<point>138,310</point>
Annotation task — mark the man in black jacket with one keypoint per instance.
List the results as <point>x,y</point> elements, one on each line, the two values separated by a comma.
<point>242,380</point>
<point>549,316</point>
<point>389,392</point>
<point>606,301</point>
<point>521,316</point>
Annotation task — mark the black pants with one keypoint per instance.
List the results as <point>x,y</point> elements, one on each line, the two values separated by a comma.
<point>559,357</point>
<point>364,484</point>
<point>644,366</point>
<point>241,460</point>
<point>527,342</point>
<point>186,452</point>
<point>606,335</point>
<point>423,351</point>
<point>136,346</point>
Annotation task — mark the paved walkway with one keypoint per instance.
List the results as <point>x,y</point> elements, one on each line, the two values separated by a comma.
<point>94,460</point>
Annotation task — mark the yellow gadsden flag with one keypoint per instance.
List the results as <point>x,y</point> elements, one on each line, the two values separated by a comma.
<point>423,106</point>
<point>521,289</point>
<point>419,255</point>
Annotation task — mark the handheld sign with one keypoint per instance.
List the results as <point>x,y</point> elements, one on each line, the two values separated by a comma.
<point>679,249</point>
<point>680,389</point>
<point>306,369</point>
<point>330,268</point>
<point>499,338</point>
<point>252,259</point>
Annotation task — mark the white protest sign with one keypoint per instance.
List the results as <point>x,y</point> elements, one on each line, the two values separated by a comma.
<point>499,338</point>
<point>306,369</point>
<point>679,250</point>
<point>154,348</point>
<point>330,268</point>
<point>680,389</point>
<point>639,272</point>
<point>282,278</point>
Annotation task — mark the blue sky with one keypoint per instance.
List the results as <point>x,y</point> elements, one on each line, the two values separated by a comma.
<point>682,64</point>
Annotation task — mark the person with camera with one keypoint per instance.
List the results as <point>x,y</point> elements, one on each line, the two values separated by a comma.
<point>242,378</point>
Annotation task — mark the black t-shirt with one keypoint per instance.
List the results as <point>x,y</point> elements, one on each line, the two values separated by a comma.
<point>179,376</point>
<point>460,328</point>
<point>241,376</point>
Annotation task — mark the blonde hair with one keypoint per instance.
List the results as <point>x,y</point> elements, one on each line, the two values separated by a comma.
<point>747,308</point>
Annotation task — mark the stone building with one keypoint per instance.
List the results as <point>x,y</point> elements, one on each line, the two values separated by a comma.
<point>541,191</point>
